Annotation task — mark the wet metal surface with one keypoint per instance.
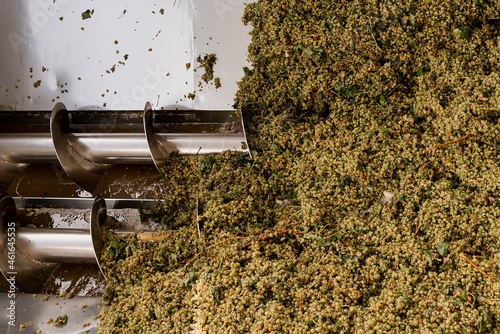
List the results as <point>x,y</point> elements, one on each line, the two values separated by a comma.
<point>133,182</point>
<point>34,310</point>
<point>69,236</point>
<point>48,180</point>
<point>75,279</point>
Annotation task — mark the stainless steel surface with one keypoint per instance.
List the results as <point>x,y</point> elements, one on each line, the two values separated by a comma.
<point>80,169</point>
<point>26,147</point>
<point>46,180</point>
<point>127,52</point>
<point>56,245</point>
<point>106,148</point>
<point>26,274</point>
<point>8,173</point>
<point>83,203</point>
<point>97,216</point>
<point>65,245</point>
<point>35,310</point>
<point>132,181</point>
<point>110,148</point>
<point>204,143</point>
<point>159,148</point>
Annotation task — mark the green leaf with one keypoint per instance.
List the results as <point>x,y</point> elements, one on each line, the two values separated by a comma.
<point>442,248</point>
<point>114,243</point>
<point>428,256</point>
<point>464,32</point>
<point>311,52</point>
<point>386,132</point>
<point>111,253</point>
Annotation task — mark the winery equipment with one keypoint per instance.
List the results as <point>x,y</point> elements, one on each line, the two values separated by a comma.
<point>94,98</point>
